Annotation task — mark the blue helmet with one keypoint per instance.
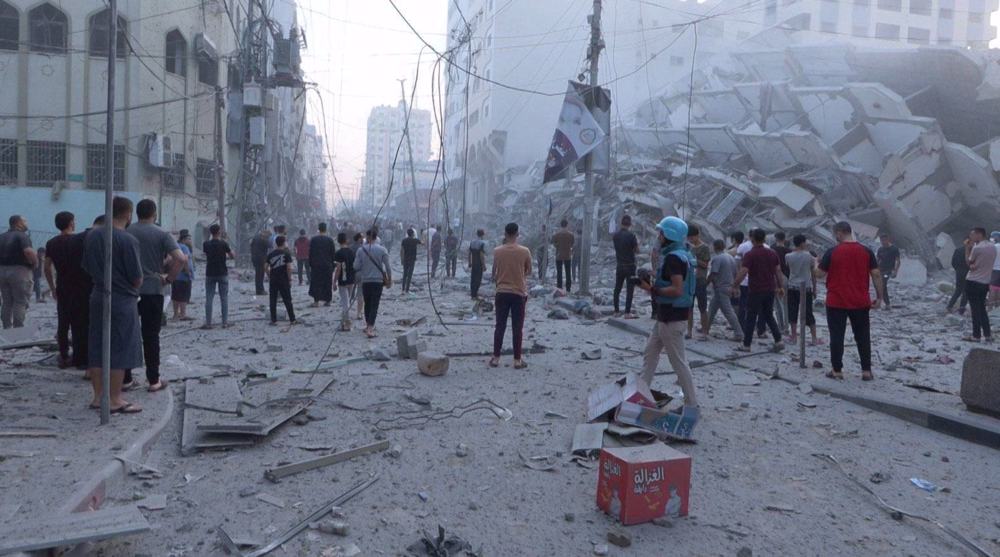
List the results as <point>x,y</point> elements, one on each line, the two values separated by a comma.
<point>673,229</point>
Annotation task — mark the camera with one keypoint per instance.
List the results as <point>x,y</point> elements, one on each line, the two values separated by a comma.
<point>644,275</point>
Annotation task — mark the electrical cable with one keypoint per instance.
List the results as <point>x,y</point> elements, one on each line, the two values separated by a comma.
<point>687,146</point>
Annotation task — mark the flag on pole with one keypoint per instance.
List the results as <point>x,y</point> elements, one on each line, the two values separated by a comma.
<point>577,134</point>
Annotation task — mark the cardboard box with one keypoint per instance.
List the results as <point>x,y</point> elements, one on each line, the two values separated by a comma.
<point>658,420</point>
<point>638,484</point>
<point>602,401</point>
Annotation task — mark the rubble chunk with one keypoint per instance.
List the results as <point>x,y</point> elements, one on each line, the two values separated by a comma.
<point>432,364</point>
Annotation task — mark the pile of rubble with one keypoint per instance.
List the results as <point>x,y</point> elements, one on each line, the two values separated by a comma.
<point>795,138</point>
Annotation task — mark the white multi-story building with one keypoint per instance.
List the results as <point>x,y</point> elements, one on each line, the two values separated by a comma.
<point>964,23</point>
<point>170,59</point>
<point>385,129</point>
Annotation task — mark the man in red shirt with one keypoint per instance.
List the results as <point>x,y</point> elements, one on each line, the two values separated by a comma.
<point>848,267</point>
<point>763,266</point>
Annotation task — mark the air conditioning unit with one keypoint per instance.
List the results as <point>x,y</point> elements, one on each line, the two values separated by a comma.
<point>161,153</point>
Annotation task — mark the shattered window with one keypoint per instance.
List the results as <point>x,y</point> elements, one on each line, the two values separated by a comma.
<point>173,178</point>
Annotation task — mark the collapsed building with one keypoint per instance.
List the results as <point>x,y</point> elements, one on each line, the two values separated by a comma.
<point>904,140</point>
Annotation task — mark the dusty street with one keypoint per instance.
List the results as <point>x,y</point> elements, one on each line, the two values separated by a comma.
<point>757,484</point>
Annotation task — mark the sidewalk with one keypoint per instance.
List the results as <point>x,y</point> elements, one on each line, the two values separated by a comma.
<point>68,462</point>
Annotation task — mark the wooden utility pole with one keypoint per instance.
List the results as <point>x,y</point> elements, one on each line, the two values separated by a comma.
<point>220,183</point>
<point>109,226</point>
<point>594,52</point>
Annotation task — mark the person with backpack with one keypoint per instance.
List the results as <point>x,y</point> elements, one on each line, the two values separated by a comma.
<point>673,287</point>
<point>371,266</point>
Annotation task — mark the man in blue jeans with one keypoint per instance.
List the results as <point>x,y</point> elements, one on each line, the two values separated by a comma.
<point>216,251</point>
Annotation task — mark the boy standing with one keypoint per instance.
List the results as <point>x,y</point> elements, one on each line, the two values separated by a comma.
<point>344,283</point>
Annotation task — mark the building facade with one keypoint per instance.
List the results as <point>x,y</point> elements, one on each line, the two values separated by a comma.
<point>385,130</point>
<point>963,23</point>
<point>53,92</point>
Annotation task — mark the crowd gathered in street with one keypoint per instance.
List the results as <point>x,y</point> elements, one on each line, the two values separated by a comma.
<point>763,285</point>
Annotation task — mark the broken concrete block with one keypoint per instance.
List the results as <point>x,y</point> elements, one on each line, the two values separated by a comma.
<point>981,381</point>
<point>334,527</point>
<point>619,538</point>
<point>912,272</point>
<point>377,355</point>
<point>432,364</point>
<point>406,345</point>
<point>559,313</point>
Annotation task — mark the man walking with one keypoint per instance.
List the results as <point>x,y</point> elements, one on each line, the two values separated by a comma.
<point>722,276</point>
<point>801,286</point>
<point>321,261</point>
<point>126,278</point>
<point>960,265</point>
<point>511,268</point>
<point>477,262</point>
<point>155,247</point>
<point>259,247</point>
<point>17,259</point>
<point>408,257</point>
<point>451,254</point>
<point>217,251</point>
<point>180,289</point>
<point>344,279</point>
<point>371,264</point>
<point>626,247</point>
<point>980,254</point>
<point>279,270</point>
<point>888,264</point>
<point>563,240</point>
<point>70,286</point>
<point>302,255</point>
<point>848,266</point>
<point>673,286</point>
<point>762,268</point>
<point>703,256</point>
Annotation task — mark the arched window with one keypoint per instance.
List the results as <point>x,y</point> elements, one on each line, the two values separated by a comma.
<point>100,28</point>
<point>176,53</point>
<point>47,29</point>
<point>10,29</point>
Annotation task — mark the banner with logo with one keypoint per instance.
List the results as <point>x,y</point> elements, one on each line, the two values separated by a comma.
<point>577,134</point>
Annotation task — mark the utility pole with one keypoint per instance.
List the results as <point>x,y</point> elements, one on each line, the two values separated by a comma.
<point>220,183</point>
<point>409,149</point>
<point>109,225</point>
<point>594,52</point>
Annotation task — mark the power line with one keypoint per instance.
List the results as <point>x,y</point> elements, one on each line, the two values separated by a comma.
<point>101,112</point>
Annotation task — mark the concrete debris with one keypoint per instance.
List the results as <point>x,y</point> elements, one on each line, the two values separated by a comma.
<point>619,538</point>
<point>408,346</point>
<point>594,354</point>
<point>275,474</point>
<point>778,141</point>
<point>601,549</point>
<point>271,500</point>
<point>462,450</point>
<point>440,545</point>
<point>33,533</point>
<point>333,527</point>
<point>377,355</point>
<point>432,364</point>
<point>349,550</point>
<point>156,502</point>
<point>559,313</point>
<point>981,381</point>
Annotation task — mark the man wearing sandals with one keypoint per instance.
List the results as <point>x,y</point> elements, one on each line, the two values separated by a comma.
<point>848,267</point>
<point>981,255</point>
<point>126,279</point>
<point>511,268</point>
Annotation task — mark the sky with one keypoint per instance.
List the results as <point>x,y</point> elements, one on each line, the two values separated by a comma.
<point>357,51</point>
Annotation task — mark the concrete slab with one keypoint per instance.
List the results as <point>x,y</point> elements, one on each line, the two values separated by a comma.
<point>36,533</point>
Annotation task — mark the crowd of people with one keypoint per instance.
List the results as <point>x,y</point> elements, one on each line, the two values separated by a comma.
<point>760,284</point>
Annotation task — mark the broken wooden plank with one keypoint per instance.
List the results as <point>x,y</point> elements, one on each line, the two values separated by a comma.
<point>275,474</point>
<point>35,533</point>
<point>28,433</point>
<point>218,394</point>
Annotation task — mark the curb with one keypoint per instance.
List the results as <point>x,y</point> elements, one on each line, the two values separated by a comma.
<point>959,427</point>
<point>93,491</point>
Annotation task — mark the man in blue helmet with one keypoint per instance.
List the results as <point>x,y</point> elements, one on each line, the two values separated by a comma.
<point>673,288</point>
